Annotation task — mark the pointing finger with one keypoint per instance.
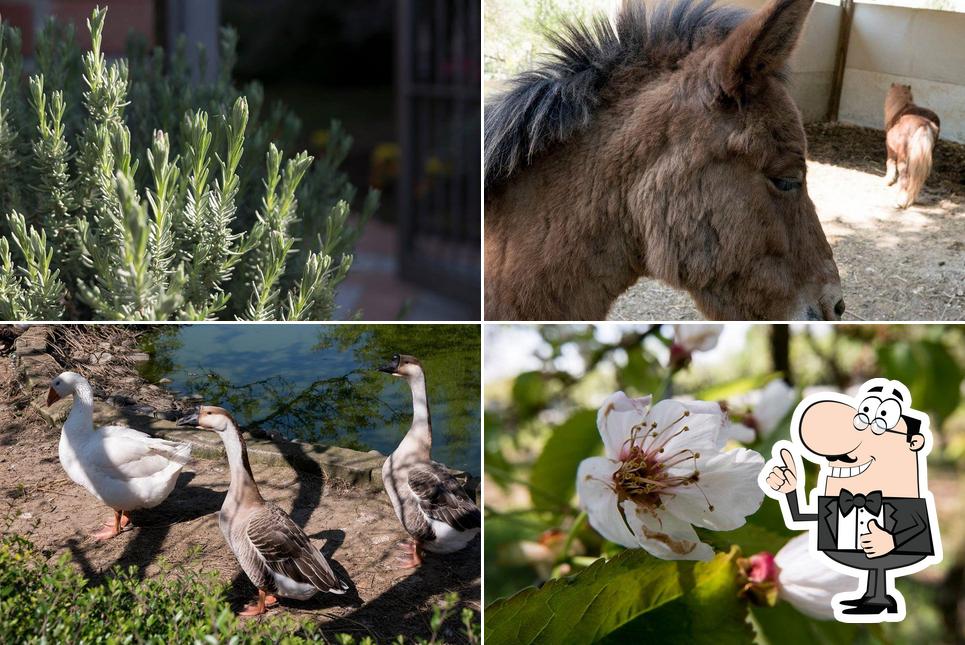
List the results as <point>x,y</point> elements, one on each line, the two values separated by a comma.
<point>788,459</point>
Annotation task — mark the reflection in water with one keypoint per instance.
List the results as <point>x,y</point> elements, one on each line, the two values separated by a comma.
<point>319,382</point>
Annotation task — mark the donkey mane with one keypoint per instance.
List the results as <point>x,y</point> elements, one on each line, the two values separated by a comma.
<point>551,103</point>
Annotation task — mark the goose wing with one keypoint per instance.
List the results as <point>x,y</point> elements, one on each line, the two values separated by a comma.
<point>130,454</point>
<point>286,550</point>
<point>442,498</point>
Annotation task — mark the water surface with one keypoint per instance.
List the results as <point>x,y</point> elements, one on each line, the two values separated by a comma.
<point>320,383</point>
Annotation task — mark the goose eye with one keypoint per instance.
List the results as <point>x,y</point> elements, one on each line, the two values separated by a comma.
<point>785,184</point>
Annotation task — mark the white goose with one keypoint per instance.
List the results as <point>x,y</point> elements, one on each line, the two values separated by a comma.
<point>431,504</point>
<point>272,550</point>
<point>121,467</point>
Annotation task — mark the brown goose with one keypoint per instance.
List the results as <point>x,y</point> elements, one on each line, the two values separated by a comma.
<point>431,504</point>
<point>272,550</point>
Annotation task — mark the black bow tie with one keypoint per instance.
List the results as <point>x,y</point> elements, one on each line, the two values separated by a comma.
<point>871,501</point>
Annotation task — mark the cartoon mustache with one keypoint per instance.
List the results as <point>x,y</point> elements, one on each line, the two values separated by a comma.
<point>845,458</point>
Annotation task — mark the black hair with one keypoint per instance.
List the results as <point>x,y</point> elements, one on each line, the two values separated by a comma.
<point>914,427</point>
<point>551,103</point>
<point>895,393</point>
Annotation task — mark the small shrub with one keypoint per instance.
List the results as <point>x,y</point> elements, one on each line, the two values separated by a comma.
<point>52,602</point>
<point>129,192</point>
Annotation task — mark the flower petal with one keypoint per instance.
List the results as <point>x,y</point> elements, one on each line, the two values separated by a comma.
<point>729,482</point>
<point>616,418</point>
<point>666,536</point>
<point>697,338</point>
<point>807,582</point>
<point>777,398</point>
<point>600,502</point>
<point>672,417</point>
<point>736,432</point>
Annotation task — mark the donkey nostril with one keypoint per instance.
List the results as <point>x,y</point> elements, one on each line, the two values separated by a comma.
<point>839,308</point>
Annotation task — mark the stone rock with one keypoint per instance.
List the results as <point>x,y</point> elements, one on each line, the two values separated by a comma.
<point>120,400</point>
<point>100,358</point>
<point>32,342</point>
<point>144,410</point>
<point>169,415</point>
<point>139,357</point>
<point>38,369</point>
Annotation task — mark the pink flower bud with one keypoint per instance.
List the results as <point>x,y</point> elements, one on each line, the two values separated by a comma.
<point>762,568</point>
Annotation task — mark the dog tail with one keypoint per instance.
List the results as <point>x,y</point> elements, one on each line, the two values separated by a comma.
<point>920,148</point>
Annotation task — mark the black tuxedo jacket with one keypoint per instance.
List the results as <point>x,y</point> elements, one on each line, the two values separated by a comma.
<point>906,518</point>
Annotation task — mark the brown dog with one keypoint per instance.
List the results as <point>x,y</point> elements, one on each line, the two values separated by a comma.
<point>910,135</point>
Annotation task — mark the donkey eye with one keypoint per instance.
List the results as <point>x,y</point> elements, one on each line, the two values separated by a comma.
<point>785,184</point>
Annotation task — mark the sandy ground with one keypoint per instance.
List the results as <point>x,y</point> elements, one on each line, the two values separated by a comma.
<point>894,264</point>
<point>358,532</point>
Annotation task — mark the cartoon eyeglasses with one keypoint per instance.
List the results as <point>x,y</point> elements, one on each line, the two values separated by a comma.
<point>880,416</point>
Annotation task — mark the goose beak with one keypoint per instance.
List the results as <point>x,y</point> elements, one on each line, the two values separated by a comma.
<point>190,419</point>
<point>391,367</point>
<point>52,397</point>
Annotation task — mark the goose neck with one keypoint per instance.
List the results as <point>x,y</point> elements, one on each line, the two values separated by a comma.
<point>81,417</point>
<point>243,484</point>
<point>420,432</point>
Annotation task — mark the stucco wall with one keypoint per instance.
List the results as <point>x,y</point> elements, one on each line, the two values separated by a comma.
<point>812,64</point>
<point>918,47</point>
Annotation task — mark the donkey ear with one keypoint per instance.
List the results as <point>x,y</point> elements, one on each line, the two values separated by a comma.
<point>760,45</point>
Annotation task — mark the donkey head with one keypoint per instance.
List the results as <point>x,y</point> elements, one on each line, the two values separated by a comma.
<point>722,157</point>
<point>899,93</point>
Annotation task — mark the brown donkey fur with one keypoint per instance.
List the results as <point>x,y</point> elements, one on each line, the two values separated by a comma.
<point>910,135</point>
<point>664,146</point>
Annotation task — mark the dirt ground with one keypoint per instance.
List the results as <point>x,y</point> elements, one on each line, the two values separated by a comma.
<point>894,264</point>
<point>357,531</point>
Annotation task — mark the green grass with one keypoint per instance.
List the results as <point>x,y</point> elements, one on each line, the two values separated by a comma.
<point>45,601</point>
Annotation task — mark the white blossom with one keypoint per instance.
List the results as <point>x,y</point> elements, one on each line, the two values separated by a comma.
<point>768,407</point>
<point>697,338</point>
<point>806,581</point>
<point>664,473</point>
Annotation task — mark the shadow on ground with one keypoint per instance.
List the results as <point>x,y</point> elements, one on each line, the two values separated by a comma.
<point>357,530</point>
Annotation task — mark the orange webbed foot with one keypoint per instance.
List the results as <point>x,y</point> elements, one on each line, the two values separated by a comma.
<point>258,607</point>
<point>105,533</point>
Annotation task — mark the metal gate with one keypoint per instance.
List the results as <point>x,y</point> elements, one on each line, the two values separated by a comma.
<point>438,81</point>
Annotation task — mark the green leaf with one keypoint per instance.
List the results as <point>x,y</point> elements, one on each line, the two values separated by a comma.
<point>634,597</point>
<point>751,538</point>
<point>529,393</point>
<point>932,375</point>
<point>507,571</point>
<point>642,373</point>
<point>553,477</point>
<point>785,625</point>
<point>730,389</point>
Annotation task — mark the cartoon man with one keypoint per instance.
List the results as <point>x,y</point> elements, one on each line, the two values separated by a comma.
<point>873,514</point>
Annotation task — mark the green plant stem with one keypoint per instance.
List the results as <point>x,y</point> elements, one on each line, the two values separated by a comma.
<point>571,535</point>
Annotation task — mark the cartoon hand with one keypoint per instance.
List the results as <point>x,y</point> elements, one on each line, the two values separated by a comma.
<point>783,479</point>
<point>877,541</point>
